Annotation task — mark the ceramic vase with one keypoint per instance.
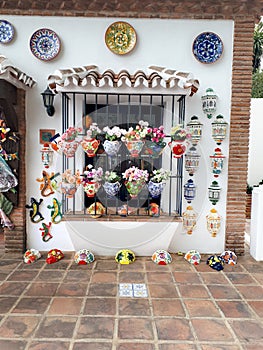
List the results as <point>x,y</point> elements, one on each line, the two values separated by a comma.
<point>134,147</point>
<point>68,189</point>
<point>90,146</point>
<point>112,188</point>
<point>68,147</point>
<point>111,147</point>
<point>153,149</point>
<point>178,148</point>
<point>134,187</point>
<point>91,187</point>
<point>155,188</point>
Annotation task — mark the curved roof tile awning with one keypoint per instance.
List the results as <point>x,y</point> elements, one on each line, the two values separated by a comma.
<point>157,76</point>
<point>14,75</point>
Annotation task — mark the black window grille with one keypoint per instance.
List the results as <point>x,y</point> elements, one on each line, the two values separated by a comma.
<point>124,110</point>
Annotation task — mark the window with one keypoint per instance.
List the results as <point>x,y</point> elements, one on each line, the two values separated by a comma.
<point>124,110</point>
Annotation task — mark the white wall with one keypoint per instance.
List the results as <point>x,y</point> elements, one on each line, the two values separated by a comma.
<point>255,159</point>
<point>160,42</point>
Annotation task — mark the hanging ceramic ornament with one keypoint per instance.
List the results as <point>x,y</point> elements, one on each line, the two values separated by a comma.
<point>46,155</point>
<point>214,192</point>
<point>219,129</point>
<point>217,162</point>
<point>209,102</point>
<point>189,191</point>
<point>213,221</point>
<point>195,129</point>
<point>189,219</point>
<point>192,159</point>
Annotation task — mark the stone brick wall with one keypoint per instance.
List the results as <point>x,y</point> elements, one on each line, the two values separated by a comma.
<point>244,13</point>
<point>15,240</point>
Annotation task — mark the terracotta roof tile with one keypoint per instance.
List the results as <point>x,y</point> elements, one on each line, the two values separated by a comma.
<point>157,76</point>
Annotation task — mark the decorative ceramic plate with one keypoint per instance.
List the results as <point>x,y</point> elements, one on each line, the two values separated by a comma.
<point>120,37</point>
<point>207,47</point>
<point>45,44</point>
<point>7,32</point>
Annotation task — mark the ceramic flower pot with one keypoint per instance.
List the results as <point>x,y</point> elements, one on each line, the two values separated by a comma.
<point>155,188</point>
<point>68,147</point>
<point>134,147</point>
<point>178,148</point>
<point>69,189</point>
<point>112,188</point>
<point>153,149</point>
<point>90,146</point>
<point>134,187</point>
<point>111,147</point>
<point>91,187</point>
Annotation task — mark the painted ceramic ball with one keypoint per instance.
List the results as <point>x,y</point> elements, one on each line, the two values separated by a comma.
<point>215,262</point>
<point>161,257</point>
<point>229,257</point>
<point>193,257</point>
<point>31,255</point>
<point>84,257</point>
<point>125,257</point>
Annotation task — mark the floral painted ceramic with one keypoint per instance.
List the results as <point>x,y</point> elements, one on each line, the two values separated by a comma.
<point>45,44</point>
<point>207,47</point>
<point>7,32</point>
<point>120,38</point>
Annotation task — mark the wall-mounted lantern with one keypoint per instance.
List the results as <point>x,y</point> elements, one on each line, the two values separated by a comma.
<point>48,100</point>
<point>189,219</point>
<point>189,191</point>
<point>213,221</point>
<point>195,129</point>
<point>209,102</point>
<point>214,192</point>
<point>192,161</point>
<point>219,129</point>
<point>217,162</point>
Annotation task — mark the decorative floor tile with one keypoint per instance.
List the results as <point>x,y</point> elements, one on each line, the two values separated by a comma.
<point>137,290</point>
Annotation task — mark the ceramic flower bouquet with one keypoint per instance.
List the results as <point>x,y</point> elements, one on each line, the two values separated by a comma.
<point>134,138</point>
<point>112,143</point>
<point>68,143</point>
<point>91,181</point>
<point>70,182</point>
<point>135,180</point>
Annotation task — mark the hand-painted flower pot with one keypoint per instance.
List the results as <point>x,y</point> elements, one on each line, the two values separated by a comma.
<point>155,188</point>
<point>111,147</point>
<point>69,189</point>
<point>153,149</point>
<point>112,188</point>
<point>178,148</point>
<point>134,147</point>
<point>90,146</point>
<point>134,187</point>
<point>91,187</point>
<point>68,147</point>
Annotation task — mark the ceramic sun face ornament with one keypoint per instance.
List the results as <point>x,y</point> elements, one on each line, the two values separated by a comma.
<point>161,257</point>
<point>84,257</point>
<point>125,257</point>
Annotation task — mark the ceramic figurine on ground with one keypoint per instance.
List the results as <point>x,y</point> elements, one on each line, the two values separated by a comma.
<point>161,257</point>
<point>84,257</point>
<point>31,255</point>
<point>125,257</point>
<point>54,255</point>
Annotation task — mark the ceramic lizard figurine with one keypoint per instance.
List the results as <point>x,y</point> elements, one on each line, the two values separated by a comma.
<point>46,185</point>
<point>56,215</point>
<point>34,213</point>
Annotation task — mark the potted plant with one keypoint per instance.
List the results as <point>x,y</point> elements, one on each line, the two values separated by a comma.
<point>112,139</point>
<point>134,138</point>
<point>89,143</point>
<point>70,182</point>
<point>179,141</point>
<point>135,180</point>
<point>155,144</point>
<point>158,181</point>
<point>111,183</point>
<point>92,179</point>
<point>68,142</point>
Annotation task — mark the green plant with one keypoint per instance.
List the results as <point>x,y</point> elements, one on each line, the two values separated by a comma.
<point>257,85</point>
<point>257,46</point>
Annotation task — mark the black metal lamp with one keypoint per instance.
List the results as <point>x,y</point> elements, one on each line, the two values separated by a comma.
<point>48,99</point>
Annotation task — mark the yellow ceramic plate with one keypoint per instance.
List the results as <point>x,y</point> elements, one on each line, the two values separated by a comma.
<point>120,37</point>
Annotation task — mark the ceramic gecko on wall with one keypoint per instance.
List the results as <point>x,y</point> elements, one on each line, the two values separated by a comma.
<point>46,185</point>
<point>34,213</point>
<point>46,235</point>
<point>56,215</point>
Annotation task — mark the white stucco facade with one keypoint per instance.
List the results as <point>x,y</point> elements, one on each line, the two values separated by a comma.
<point>166,43</point>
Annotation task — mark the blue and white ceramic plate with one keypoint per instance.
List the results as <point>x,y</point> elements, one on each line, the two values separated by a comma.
<point>7,32</point>
<point>207,47</point>
<point>45,44</point>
